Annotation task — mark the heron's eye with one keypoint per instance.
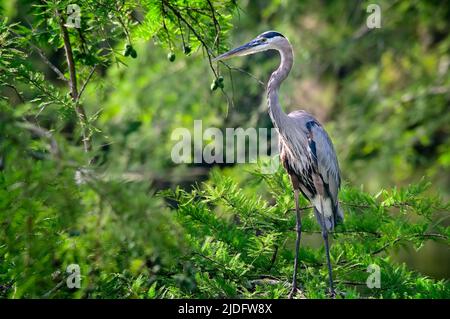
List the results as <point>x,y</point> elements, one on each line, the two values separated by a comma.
<point>263,39</point>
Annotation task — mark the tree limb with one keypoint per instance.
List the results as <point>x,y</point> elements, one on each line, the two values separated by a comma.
<point>45,59</point>
<point>50,64</point>
<point>15,91</point>
<point>392,243</point>
<point>73,84</point>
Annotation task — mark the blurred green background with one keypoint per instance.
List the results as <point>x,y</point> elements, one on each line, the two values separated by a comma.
<point>382,94</point>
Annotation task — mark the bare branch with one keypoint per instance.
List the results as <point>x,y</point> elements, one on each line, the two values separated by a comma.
<point>45,59</point>
<point>50,64</point>
<point>245,72</point>
<point>216,24</point>
<point>69,57</point>
<point>398,239</point>
<point>73,84</point>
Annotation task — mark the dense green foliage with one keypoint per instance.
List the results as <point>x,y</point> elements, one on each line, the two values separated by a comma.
<point>86,177</point>
<point>243,246</point>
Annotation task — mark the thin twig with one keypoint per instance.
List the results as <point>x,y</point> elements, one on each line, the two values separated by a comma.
<point>45,59</point>
<point>355,205</point>
<point>274,257</point>
<point>199,38</point>
<point>51,291</point>
<point>392,243</point>
<point>216,25</point>
<point>16,91</point>
<point>51,65</point>
<point>86,82</point>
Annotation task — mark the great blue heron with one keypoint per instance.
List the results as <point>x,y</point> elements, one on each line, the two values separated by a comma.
<point>306,150</point>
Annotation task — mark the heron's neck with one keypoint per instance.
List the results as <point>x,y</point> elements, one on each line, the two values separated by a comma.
<point>279,118</point>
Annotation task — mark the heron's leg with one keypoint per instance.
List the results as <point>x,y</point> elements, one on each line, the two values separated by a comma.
<point>327,247</point>
<point>297,244</point>
<point>327,250</point>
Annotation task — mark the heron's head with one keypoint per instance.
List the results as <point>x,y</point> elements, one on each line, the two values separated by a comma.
<point>265,41</point>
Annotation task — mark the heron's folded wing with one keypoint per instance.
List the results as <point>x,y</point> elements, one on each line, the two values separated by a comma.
<point>322,147</point>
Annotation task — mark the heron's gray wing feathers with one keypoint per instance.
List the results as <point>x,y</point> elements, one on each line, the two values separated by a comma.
<point>326,158</point>
<point>323,154</point>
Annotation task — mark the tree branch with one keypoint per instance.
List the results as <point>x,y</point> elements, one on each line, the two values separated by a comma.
<point>50,64</point>
<point>15,91</point>
<point>44,58</point>
<point>73,84</point>
<point>398,239</point>
<point>199,38</point>
<point>69,57</point>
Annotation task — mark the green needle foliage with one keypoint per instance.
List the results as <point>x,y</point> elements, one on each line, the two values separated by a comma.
<point>86,117</point>
<point>242,244</point>
<point>91,47</point>
<point>228,237</point>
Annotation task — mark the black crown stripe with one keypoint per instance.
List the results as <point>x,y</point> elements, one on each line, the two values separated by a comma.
<point>271,34</point>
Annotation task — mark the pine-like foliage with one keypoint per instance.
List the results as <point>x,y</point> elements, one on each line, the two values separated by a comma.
<point>75,124</point>
<point>242,242</point>
<point>232,236</point>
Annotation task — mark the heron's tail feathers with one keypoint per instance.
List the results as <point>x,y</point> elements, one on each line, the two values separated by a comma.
<point>339,215</point>
<point>331,214</point>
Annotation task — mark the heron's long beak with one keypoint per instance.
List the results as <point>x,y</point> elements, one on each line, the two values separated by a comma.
<point>248,48</point>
